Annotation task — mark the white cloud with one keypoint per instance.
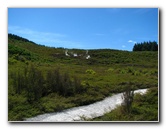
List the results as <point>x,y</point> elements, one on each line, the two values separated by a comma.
<point>123,46</point>
<point>131,41</point>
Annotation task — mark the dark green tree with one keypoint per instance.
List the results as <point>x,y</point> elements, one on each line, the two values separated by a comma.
<point>146,46</point>
<point>51,81</point>
<point>18,82</point>
<point>35,81</point>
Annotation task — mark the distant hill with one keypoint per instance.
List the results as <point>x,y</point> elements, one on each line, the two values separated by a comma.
<point>34,52</point>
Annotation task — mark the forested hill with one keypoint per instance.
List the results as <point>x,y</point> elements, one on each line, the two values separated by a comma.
<point>24,50</point>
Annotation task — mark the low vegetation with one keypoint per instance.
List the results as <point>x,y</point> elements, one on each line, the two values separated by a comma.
<point>43,79</point>
<point>144,108</point>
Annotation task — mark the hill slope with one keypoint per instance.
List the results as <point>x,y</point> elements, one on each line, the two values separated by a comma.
<point>98,56</point>
<point>46,79</point>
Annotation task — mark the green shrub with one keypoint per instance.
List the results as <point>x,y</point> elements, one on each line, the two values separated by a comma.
<point>136,73</point>
<point>12,61</point>
<point>123,71</point>
<point>130,70</point>
<point>110,70</point>
<point>90,71</point>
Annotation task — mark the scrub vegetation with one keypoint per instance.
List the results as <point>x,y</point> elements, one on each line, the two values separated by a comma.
<point>144,108</point>
<point>43,79</point>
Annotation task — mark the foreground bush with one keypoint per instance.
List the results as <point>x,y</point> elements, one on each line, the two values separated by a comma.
<point>144,108</point>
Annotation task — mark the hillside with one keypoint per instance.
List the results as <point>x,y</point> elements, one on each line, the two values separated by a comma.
<point>98,56</point>
<point>46,79</point>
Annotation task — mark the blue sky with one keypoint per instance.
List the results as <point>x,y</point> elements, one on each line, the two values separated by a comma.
<point>85,28</point>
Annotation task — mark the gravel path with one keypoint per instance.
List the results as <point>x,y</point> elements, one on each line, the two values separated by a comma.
<point>89,111</point>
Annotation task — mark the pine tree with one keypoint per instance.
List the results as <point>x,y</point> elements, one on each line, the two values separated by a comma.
<point>146,46</point>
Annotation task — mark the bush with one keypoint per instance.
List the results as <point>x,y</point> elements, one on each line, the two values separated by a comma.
<point>110,70</point>
<point>12,61</point>
<point>90,71</point>
<point>130,70</point>
<point>123,71</point>
<point>136,73</point>
<point>128,96</point>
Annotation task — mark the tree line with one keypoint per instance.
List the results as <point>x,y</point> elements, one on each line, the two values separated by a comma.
<point>13,36</point>
<point>146,46</point>
<point>31,83</point>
